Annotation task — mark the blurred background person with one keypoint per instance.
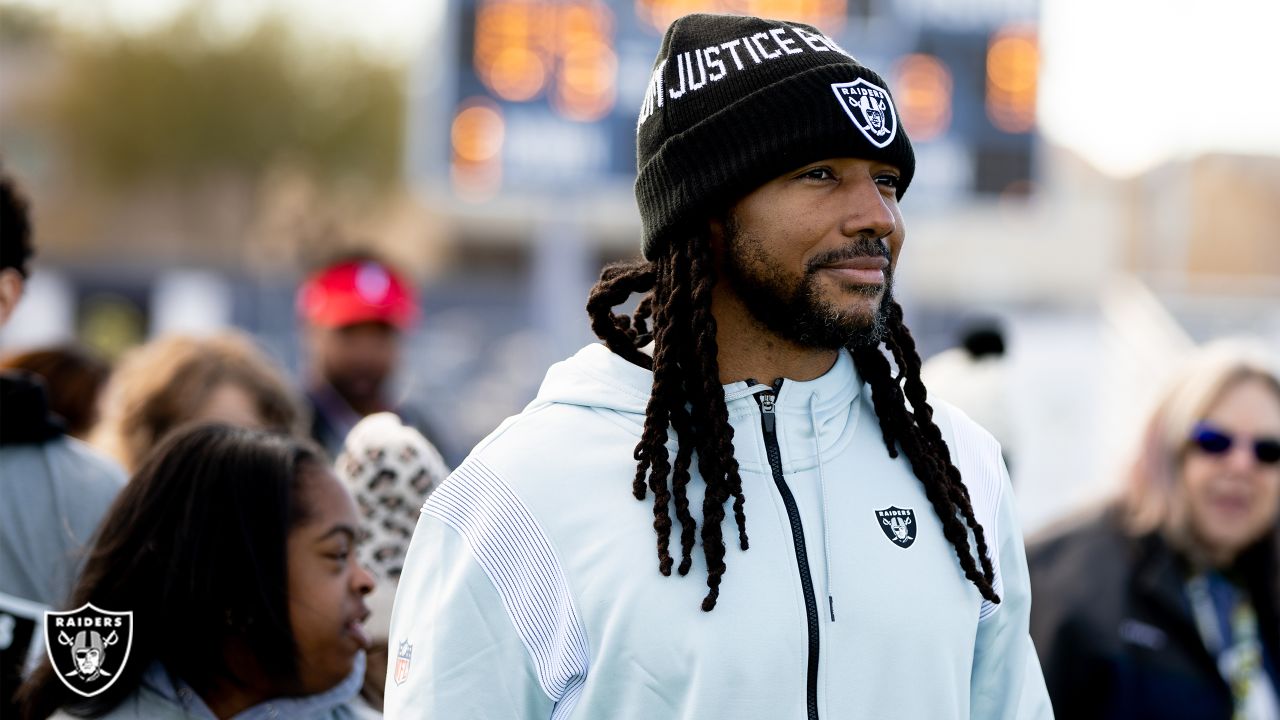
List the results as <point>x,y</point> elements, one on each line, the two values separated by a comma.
<point>53,488</point>
<point>1167,606</point>
<point>355,312</point>
<point>975,378</point>
<point>74,378</point>
<point>235,551</point>
<point>390,469</point>
<point>179,379</point>
<point>16,252</point>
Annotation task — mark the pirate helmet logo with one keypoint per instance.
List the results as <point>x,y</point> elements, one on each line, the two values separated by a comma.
<point>898,525</point>
<point>870,108</point>
<point>88,647</point>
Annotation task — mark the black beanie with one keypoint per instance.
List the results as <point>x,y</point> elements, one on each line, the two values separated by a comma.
<point>735,101</point>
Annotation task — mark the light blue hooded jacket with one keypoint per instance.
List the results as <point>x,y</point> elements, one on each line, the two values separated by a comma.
<point>531,587</point>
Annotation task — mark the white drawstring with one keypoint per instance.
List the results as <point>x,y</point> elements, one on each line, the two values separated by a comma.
<point>826,525</point>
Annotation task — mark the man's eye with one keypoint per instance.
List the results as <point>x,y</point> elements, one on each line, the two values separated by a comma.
<point>888,180</point>
<point>821,173</point>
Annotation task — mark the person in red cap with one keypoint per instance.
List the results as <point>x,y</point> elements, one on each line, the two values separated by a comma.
<point>354,313</point>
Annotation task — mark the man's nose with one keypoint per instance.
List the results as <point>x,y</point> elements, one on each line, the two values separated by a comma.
<point>867,210</point>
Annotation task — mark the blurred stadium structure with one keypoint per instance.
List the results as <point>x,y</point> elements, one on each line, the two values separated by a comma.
<point>498,168</point>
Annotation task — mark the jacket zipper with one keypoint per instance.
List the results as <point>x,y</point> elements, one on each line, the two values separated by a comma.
<point>769,423</point>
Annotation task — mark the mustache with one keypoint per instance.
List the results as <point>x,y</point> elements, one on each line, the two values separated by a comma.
<point>862,247</point>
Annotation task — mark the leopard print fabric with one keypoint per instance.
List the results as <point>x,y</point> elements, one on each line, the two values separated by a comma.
<point>390,469</point>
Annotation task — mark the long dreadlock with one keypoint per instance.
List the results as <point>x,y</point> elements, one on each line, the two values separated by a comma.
<point>675,315</point>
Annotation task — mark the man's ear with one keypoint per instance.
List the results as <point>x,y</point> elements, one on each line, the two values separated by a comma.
<point>715,226</point>
<point>11,284</point>
<point>717,235</point>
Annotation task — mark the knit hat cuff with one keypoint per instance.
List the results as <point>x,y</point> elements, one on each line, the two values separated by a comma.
<point>743,145</point>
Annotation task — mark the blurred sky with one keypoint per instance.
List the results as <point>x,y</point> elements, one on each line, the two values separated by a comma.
<point>1125,83</point>
<point>1129,83</point>
<point>393,28</point>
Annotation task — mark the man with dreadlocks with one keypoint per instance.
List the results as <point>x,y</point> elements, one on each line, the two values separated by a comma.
<point>829,544</point>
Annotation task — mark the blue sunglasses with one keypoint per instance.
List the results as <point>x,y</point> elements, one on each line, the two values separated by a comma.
<point>1213,441</point>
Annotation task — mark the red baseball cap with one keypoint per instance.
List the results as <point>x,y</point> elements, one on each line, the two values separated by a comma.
<point>357,291</point>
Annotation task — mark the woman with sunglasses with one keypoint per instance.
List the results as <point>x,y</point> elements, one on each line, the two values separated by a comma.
<point>1168,604</point>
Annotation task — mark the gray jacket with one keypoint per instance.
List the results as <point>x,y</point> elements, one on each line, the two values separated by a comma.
<point>160,696</point>
<point>54,491</point>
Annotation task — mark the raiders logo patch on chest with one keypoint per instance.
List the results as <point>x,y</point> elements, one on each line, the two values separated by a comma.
<point>898,525</point>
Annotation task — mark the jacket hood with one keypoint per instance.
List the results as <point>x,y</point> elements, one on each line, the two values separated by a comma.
<point>596,377</point>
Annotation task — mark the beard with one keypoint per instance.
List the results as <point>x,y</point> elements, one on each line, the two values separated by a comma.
<point>794,308</point>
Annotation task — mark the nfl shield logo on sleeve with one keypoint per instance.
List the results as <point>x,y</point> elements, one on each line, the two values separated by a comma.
<point>403,657</point>
<point>870,108</point>
<point>88,647</point>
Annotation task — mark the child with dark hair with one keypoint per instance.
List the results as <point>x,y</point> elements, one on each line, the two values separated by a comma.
<point>234,550</point>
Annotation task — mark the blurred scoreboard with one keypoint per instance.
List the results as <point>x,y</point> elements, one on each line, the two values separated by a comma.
<point>541,95</point>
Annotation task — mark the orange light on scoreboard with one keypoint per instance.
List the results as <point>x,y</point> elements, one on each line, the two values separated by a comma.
<point>827,15</point>
<point>509,49</point>
<point>563,48</point>
<point>586,85</point>
<point>1013,60</point>
<point>923,90</point>
<point>477,135</point>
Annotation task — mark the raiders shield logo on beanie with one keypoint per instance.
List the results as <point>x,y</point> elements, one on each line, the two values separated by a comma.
<point>735,101</point>
<point>870,108</point>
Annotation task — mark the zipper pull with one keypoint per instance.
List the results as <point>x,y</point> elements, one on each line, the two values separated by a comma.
<point>766,411</point>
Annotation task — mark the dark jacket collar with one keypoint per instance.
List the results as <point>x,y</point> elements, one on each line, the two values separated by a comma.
<point>1161,574</point>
